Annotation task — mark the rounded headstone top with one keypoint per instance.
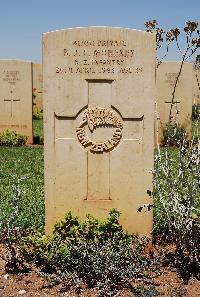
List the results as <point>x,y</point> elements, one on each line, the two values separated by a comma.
<point>99,28</point>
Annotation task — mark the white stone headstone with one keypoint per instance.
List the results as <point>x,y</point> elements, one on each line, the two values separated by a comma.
<point>16,97</point>
<point>99,90</point>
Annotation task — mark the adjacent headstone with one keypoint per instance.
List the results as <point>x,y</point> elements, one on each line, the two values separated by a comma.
<point>99,90</point>
<point>16,97</point>
<point>37,87</point>
<point>181,109</point>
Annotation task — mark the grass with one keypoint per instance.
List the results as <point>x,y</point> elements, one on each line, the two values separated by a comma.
<point>38,127</point>
<point>17,162</point>
<point>38,132</point>
<point>14,163</point>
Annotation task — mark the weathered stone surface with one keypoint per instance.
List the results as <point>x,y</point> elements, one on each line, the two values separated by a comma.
<point>166,77</point>
<point>99,90</point>
<point>37,86</point>
<point>16,97</point>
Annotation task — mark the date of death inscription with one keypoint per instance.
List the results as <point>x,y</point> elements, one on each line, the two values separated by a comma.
<point>96,57</point>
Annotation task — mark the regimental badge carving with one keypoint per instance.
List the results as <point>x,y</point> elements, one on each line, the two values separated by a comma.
<point>96,117</point>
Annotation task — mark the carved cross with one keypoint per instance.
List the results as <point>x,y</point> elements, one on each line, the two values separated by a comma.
<point>100,130</point>
<point>11,100</point>
<point>171,108</point>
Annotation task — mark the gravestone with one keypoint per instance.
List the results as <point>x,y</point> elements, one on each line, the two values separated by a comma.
<point>37,87</point>
<point>181,109</point>
<point>99,90</point>
<point>16,97</point>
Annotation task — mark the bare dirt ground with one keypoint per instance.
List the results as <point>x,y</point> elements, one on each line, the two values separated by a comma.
<point>31,284</point>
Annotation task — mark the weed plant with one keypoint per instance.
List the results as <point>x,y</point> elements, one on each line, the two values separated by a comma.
<point>177,203</point>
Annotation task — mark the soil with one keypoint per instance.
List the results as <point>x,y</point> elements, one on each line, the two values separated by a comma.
<point>168,284</point>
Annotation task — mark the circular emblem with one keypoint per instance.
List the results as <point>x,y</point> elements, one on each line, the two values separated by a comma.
<point>95,117</point>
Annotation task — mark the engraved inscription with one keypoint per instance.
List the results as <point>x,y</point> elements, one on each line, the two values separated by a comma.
<point>11,76</point>
<point>99,57</point>
<point>99,43</point>
<point>13,126</point>
<point>171,78</point>
<point>95,117</point>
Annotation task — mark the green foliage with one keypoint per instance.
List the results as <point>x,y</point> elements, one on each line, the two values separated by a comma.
<point>170,182</point>
<point>173,134</point>
<point>196,112</point>
<point>96,253</point>
<point>71,229</point>
<point>70,233</point>
<point>9,231</point>
<point>142,291</point>
<point>196,131</point>
<point>17,162</point>
<point>38,133</point>
<point>12,138</point>
<point>107,266</point>
<point>39,249</point>
<point>177,202</point>
<point>38,114</point>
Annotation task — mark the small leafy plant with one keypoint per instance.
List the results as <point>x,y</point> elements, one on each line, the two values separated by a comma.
<point>173,134</point>
<point>95,253</point>
<point>38,114</point>
<point>12,138</point>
